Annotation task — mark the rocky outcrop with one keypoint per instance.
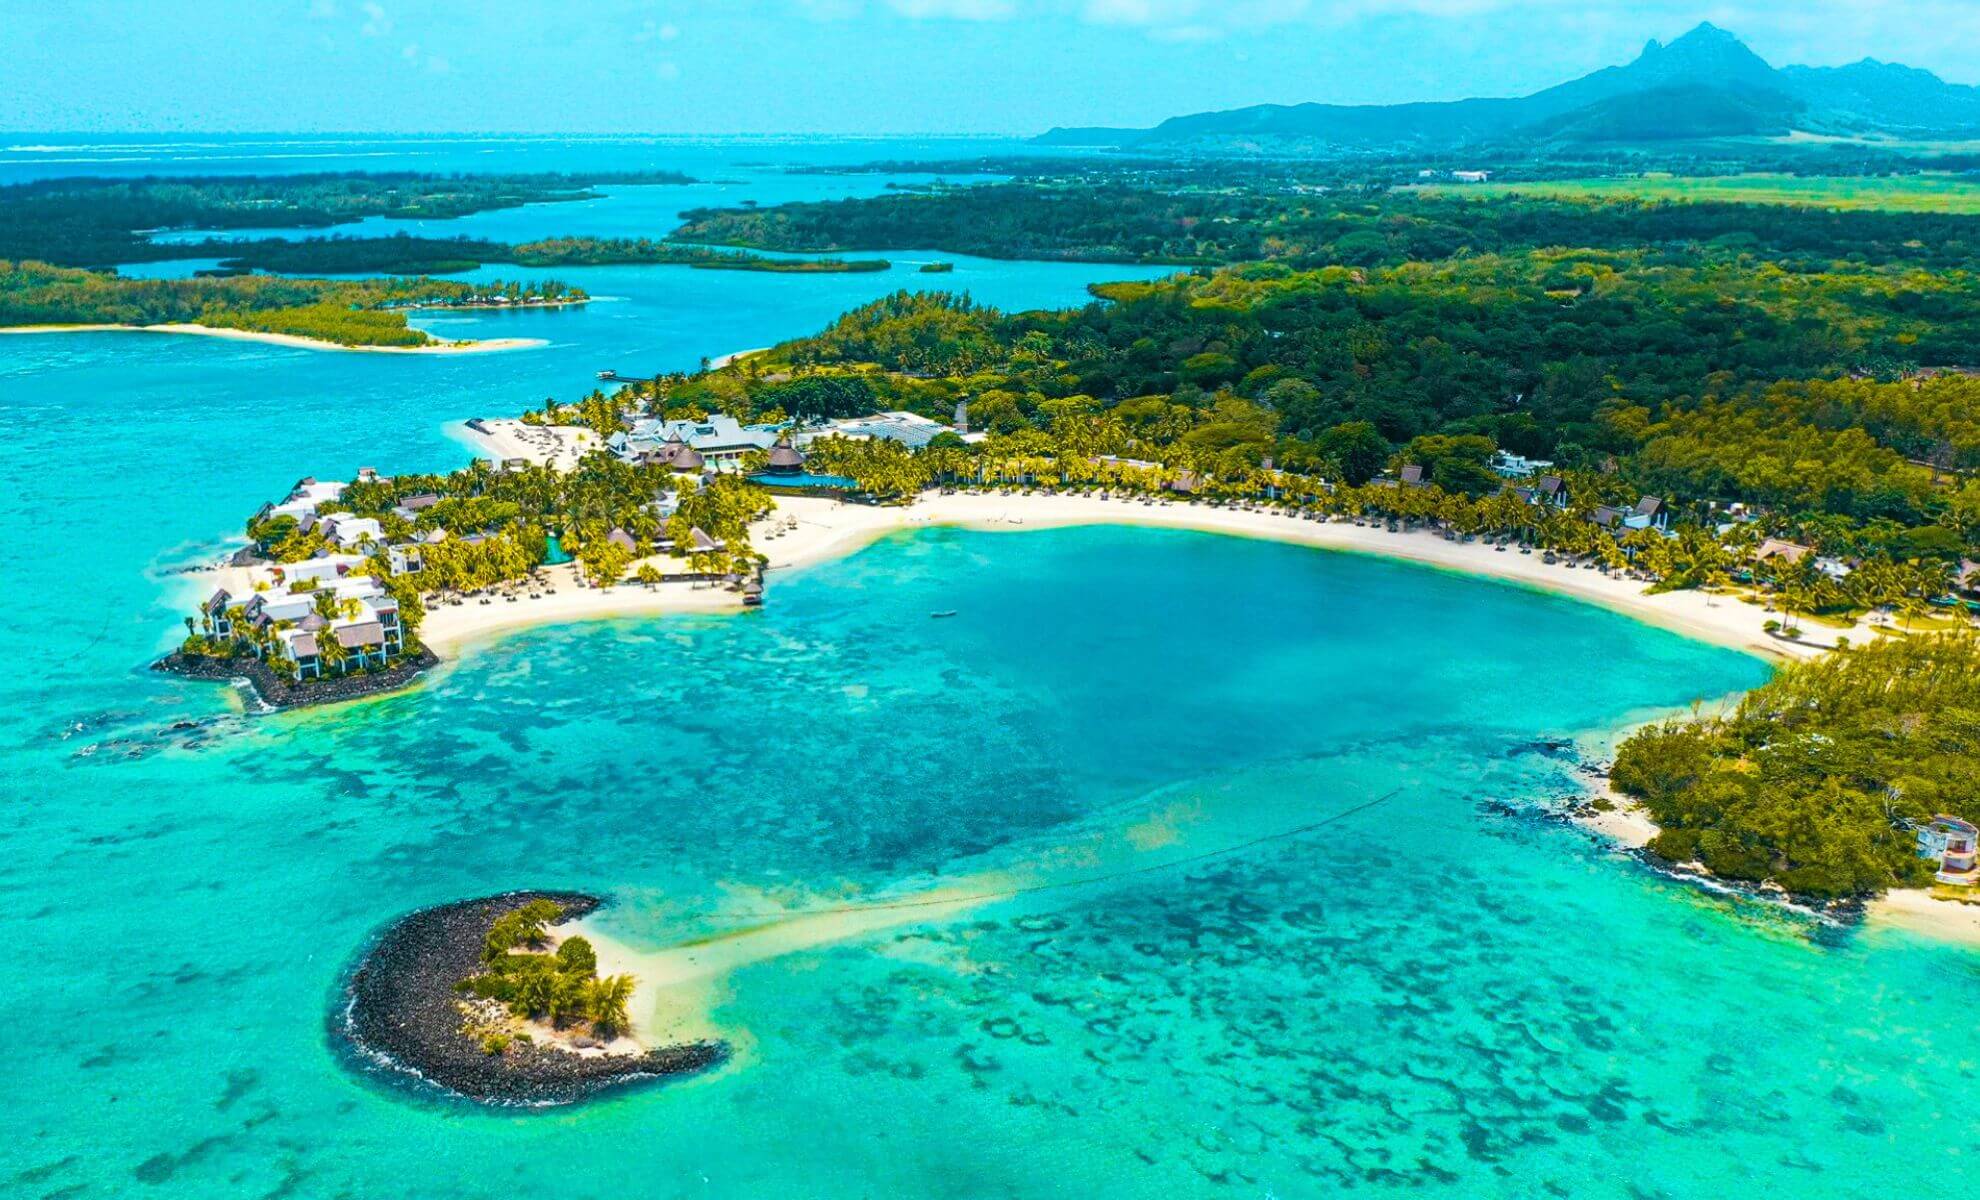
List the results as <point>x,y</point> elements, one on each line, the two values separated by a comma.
<point>278,692</point>
<point>402,1012</point>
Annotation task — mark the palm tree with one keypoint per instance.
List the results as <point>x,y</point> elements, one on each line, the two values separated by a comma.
<point>606,999</point>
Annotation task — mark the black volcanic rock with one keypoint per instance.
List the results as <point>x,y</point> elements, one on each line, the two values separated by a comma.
<point>401,1011</point>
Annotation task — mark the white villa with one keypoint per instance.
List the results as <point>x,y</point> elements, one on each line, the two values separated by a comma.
<point>290,628</point>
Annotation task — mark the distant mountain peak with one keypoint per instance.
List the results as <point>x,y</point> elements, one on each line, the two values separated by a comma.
<point>1705,84</point>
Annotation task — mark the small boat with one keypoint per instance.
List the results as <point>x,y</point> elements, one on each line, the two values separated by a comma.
<point>947,612</point>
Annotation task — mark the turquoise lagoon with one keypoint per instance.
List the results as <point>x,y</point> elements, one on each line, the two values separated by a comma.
<point>1253,902</point>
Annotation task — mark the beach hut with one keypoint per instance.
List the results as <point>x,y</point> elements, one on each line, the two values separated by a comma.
<point>752,592</point>
<point>784,459</point>
<point>623,540</point>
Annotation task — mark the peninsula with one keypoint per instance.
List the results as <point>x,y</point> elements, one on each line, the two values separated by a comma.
<point>367,314</point>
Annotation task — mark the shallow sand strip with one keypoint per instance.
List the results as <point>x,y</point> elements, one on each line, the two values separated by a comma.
<point>288,339</point>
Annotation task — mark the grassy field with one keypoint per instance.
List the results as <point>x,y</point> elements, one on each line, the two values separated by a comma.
<point>1931,192</point>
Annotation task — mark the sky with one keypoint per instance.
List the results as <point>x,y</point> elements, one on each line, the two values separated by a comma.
<point>855,66</point>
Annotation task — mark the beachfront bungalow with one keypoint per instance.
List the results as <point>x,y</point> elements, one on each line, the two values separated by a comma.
<point>699,542</point>
<point>1607,517</point>
<point>1650,513</point>
<point>370,636</point>
<point>213,614</point>
<point>1551,489</point>
<point>623,540</point>
<point>1412,476</point>
<point>351,532</point>
<point>303,499</point>
<point>1955,843</point>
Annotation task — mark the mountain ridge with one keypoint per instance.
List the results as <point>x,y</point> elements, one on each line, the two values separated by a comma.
<point>1707,83</point>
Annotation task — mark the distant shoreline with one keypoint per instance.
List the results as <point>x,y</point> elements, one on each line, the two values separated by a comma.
<point>295,341</point>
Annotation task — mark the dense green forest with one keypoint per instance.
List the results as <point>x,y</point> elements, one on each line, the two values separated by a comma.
<point>95,222</point>
<point>404,254</point>
<point>1809,781</point>
<point>1115,221</point>
<point>349,312</point>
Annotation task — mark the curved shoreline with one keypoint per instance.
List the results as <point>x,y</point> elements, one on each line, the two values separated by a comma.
<point>400,1010</point>
<point>820,530</point>
<point>295,341</point>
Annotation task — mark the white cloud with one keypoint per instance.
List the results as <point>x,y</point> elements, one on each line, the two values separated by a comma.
<point>377,22</point>
<point>955,10</point>
<point>668,71</point>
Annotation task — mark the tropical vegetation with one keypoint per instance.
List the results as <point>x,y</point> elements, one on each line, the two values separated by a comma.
<point>561,987</point>
<point>1817,779</point>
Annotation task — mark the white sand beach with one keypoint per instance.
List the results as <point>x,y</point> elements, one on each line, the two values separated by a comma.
<point>802,531</point>
<point>504,438</point>
<point>827,529</point>
<point>1918,911</point>
<point>723,360</point>
<point>288,339</point>
<point>448,626</point>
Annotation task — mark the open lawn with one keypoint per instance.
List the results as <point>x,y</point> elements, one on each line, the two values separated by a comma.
<point>1926,192</point>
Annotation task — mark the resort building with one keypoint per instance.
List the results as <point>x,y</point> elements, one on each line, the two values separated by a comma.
<point>907,428</point>
<point>1551,489</point>
<point>1650,513</point>
<point>303,500</point>
<point>1512,466</point>
<point>351,532</point>
<point>294,631</point>
<point>1956,844</point>
<point>410,507</point>
<point>717,439</point>
<point>784,459</point>
<point>324,568</point>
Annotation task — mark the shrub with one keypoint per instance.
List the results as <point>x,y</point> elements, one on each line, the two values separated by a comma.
<point>576,956</point>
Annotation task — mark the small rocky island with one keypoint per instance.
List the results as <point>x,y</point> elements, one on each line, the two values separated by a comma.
<point>486,998</point>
